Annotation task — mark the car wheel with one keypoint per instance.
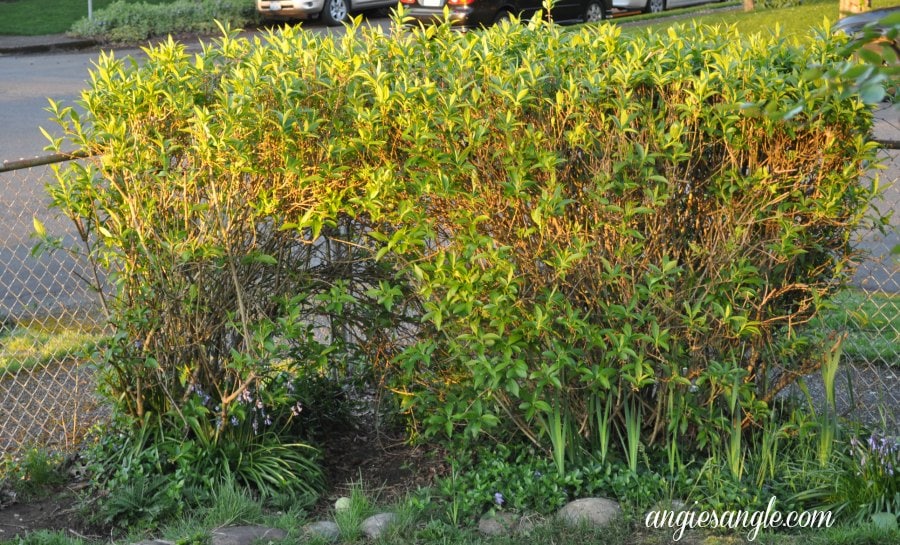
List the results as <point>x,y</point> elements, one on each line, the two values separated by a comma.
<point>655,6</point>
<point>334,12</point>
<point>503,15</point>
<point>594,12</point>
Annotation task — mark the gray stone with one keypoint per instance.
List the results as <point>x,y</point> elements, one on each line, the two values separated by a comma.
<point>324,529</point>
<point>375,525</point>
<point>660,510</point>
<point>498,524</point>
<point>885,521</point>
<point>591,511</point>
<point>342,504</point>
<point>245,535</point>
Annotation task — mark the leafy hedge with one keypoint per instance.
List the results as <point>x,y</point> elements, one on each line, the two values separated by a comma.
<point>556,234</point>
<point>125,21</point>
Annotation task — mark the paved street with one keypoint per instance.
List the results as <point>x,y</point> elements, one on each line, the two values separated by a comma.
<point>26,83</point>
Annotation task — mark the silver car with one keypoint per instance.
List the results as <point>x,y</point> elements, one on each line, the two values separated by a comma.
<point>655,6</point>
<point>332,12</point>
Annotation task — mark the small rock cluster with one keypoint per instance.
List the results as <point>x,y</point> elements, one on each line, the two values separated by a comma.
<point>372,527</point>
<point>233,535</point>
<point>596,512</point>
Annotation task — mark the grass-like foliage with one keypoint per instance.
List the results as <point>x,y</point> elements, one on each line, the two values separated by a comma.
<point>524,229</point>
<point>30,346</point>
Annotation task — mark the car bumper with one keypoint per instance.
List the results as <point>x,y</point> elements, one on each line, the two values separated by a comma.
<point>289,9</point>
<point>461,17</point>
<point>629,4</point>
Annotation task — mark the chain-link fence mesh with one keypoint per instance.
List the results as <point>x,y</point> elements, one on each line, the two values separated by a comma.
<point>50,319</point>
<point>868,386</point>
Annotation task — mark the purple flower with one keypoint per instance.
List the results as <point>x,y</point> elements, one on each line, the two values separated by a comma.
<point>246,397</point>
<point>296,409</point>
<point>234,421</point>
<point>499,499</point>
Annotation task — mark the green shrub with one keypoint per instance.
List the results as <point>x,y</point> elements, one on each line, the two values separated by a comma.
<point>125,21</point>
<point>778,4</point>
<point>564,235</point>
<point>619,224</point>
<point>864,481</point>
<point>32,472</point>
<point>521,480</point>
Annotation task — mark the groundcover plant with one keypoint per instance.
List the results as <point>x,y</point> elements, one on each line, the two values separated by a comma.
<point>583,262</point>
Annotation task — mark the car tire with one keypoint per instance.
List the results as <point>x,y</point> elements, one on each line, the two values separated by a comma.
<point>502,15</point>
<point>655,6</point>
<point>335,12</point>
<point>594,12</point>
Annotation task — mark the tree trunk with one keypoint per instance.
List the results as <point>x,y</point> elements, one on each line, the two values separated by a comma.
<point>749,5</point>
<point>849,7</point>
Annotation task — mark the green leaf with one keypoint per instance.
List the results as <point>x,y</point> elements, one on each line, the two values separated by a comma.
<point>258,257</point>
<point>872,93</point>
<point>39,228</point>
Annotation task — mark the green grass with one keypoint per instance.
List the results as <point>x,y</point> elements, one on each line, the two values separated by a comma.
<point>37,17</point>
<point>795,21</point>
<point>872,323</point>
<point>700,9</point>
<point>26,347</point>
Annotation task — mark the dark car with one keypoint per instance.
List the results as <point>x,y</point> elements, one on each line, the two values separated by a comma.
<point>470,14</point>
<point>877,23</point>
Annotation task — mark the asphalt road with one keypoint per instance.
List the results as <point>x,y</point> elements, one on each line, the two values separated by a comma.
<point>26,83</point>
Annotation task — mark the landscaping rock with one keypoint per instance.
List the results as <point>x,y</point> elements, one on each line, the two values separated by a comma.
<point>498,524</point>
<point>375,525</point>
<point>592,511</point>
<point>885,521</point>
<point>660,511</point>
<point>245,535</point>
<point>661,506</point>
<point>324,529</point>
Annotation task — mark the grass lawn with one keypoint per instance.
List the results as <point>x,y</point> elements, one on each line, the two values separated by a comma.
<point>37,17</point>
<point>872,323</point>
<point>795,21</point>
<point>29,347</point>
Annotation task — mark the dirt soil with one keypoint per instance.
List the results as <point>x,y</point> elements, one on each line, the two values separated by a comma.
<point>55,509</point>
<point>388,467</point>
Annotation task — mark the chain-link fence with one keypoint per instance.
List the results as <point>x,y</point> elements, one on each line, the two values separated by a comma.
<point>50,319</point>
<point>868,386</point>
<point>49,322</point>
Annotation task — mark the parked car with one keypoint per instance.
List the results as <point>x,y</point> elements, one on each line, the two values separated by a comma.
<point>332,12</point>
<point>877,22</point>
<point>655,6</point>
<point>470,14</point>
<point>878,29</point>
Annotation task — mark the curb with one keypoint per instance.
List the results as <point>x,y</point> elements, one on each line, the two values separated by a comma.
<point>64,45</point>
